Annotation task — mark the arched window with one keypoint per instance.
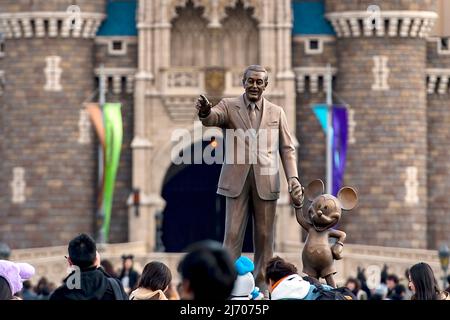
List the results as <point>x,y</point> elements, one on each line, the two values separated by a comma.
<point>240,42</point>
<point>188,37</point>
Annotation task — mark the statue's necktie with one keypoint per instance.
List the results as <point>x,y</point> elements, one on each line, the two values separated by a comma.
<point>253,116</point>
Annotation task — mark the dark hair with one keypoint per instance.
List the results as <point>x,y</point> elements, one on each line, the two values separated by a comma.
<point>393,277</point>
<point>277,268</point>
<point>424,282</point>
<point>156,276</point>
<point>399,289</point>
<point>82,251</point>
<point>257,68</point>
<point>42,287</point>
<point>356,282</point>
<point>108,267</point>
<point>5,289</point>
<point>448,279</point>
<point>209,269</point>
<point>27,285</point>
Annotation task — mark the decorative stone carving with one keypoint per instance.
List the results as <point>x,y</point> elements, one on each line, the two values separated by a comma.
<point>437,80</point>
<point>18,185</point>
<point>381,73</point>
<point>412,186</point>
<point>351,126</point>
<point>215,10</point>
<point>117,76</point>
<point>84,127</point>
<point>53,74</point>
<point>312,76</point>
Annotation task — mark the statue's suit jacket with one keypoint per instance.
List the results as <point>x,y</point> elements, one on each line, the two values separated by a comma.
<point>232,113</point>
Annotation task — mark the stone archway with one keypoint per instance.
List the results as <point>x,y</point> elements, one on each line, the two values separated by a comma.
<point>165,93</point>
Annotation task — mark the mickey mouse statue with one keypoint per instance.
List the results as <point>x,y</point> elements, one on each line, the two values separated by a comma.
<point>322,215</point>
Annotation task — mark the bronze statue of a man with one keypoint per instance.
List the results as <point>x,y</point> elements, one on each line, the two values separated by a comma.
<point>251,181</point>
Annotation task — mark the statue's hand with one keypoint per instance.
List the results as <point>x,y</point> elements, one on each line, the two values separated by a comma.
<point>336,249</point>
<point>296,191</point>
<point>203,106</point>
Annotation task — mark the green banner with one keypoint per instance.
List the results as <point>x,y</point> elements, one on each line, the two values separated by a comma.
<point>112,120</point>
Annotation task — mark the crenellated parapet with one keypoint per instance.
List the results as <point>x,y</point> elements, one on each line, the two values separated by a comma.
<point>50,24</point>
<point>438,80</point>
<point>117,80</point>
<point>412,24</point>
<point>312,79</point>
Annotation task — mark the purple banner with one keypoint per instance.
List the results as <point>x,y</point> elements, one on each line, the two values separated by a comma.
<point>339,148</point>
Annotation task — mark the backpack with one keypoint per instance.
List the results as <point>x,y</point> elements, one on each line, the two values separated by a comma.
<point>118,294</point>
<point>328,293</point>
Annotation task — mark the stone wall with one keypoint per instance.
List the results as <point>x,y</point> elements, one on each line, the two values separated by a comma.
<point>41,135</point>
<point>391,141</point>
<point>116,61</point>
<point>438,112</point>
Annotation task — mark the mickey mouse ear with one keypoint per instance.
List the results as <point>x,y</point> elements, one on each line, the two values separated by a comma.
<point>314,189</point>
<point>348,198</point>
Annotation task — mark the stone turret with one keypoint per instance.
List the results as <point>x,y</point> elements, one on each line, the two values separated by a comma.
<point>48,168</point>
<point>381,75</point>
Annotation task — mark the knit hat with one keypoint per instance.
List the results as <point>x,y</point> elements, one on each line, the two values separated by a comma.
<point>244,286</point>
<point>15,274</point>
<point>244,265</point>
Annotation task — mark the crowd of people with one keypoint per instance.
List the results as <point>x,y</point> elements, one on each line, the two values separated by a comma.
<point>205,269</point>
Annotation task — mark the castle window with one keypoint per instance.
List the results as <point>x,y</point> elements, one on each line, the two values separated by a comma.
<point>313,46</point>
<point>444,43</point>
<point>117,48</point>
<point>2,47</point>
<point>444,46</point>
<point>53,74</point>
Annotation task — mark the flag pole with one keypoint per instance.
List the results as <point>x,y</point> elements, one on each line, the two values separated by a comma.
<point>329,79</point>
<point>100,214</point>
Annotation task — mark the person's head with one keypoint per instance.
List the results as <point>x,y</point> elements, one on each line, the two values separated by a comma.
<point>83,252</point>
<point>422,282</point>
<point>207,272</point>
<point>255,81</point>
<point>108,267</point>
<point>392,281</point>
<point>380,292</point>
<point>5,290</point>
<point>277,269</point>
<point>156,276</point>
<point>127,262</point>
<point>353,284</point>
<point>27,285</point>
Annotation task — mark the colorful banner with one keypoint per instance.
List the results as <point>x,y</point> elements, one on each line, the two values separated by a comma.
<point>339,131</point>
<point>108,126</point>
<point>112,120</point>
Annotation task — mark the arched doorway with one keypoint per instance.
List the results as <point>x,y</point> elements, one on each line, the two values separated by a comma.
<point>194,211</point>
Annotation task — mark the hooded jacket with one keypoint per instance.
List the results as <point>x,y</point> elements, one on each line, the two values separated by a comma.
<point>94,285</point>
<point>147,294</point>
<point>290,287</point>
